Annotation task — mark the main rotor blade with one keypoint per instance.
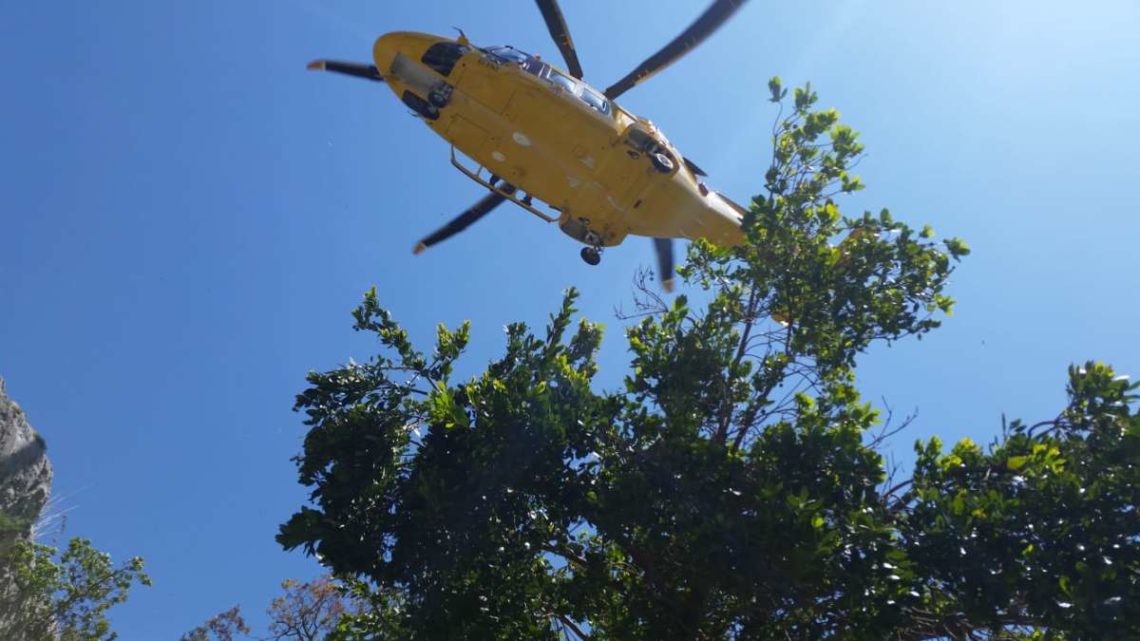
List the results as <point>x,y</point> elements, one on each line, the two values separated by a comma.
<point>461,222</point>
<point>560,33</point>
<point>358,69</point>
<point>664,249</point>
<point>710,21</point>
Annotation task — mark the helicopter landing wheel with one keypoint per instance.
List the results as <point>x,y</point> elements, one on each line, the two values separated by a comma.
<point>662,162</point>
<point>591,255</point>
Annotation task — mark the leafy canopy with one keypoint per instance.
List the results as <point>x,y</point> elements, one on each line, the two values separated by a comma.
<point>50,595</point>
<point>731,489</point>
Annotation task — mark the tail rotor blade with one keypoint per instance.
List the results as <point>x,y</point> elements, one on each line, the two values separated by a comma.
<point>665,267</point>
<point>461,222</point>
<point>357,69</point>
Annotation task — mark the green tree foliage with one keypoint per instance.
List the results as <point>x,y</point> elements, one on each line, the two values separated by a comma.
<point>64,595</point>
<point>731,489</point>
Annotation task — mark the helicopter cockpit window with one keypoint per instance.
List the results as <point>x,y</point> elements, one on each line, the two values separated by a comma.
<point>564,82</point>
<point>442,56</point>
<point>574,88</point>
<point>595,100</point>
<point>510,55</point>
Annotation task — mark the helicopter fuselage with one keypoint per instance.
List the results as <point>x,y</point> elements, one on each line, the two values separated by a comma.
<point>538,133</point>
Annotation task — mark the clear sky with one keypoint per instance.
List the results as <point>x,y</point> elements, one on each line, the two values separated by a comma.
<point>189,217</point>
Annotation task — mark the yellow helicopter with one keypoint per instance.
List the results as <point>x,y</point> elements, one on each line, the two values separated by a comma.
<point>539,135</point>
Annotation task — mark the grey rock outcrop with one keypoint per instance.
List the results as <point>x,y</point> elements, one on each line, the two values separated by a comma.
<point>25,473</point>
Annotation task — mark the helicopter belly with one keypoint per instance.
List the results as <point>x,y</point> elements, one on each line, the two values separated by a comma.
<point>545,148</point>
<point>562,159</point>
<point>465,134</point>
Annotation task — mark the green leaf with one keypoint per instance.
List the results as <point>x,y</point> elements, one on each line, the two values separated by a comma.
<point>775,89</point>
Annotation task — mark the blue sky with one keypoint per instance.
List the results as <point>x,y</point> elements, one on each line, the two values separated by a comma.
<point>189,217</point>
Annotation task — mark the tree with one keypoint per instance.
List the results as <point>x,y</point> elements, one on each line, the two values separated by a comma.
<point>64,596</point>
<point>308,611</point>
<point>223,626</point>
<point>732,489</point>
<point>305,611</point>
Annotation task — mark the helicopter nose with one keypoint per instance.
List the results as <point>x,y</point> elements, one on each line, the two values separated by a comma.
<point>408,44</point>
<point>384,51</point>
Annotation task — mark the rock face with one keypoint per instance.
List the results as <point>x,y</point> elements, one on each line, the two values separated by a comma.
<point>25,473</point>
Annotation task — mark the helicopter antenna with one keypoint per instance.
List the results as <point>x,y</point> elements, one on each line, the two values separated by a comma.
<point>462,36</point>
